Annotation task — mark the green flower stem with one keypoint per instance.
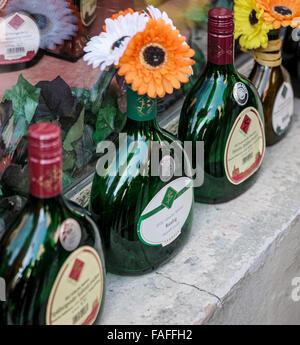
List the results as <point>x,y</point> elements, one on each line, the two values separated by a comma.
<point>101,85</point>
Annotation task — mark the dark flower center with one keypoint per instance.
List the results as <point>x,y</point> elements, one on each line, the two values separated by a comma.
<point>118,43</point>
<point>252,18</point>
<point>41,20</point>
<point>282,10</point>
<point>154,55</point>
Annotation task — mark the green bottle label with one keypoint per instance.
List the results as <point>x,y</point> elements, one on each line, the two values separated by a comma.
<point>164,217</point>
<point>140,108</point>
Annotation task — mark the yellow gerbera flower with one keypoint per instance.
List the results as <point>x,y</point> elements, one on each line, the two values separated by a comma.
<point>250,26</point>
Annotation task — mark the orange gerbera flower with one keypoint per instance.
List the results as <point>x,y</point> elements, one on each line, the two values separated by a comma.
<point>281,12</point>
<point>117,15</point>
<point>156,60</point>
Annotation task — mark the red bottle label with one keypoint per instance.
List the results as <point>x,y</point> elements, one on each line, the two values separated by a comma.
<point>45,177</point>
<point>45,160</point>
<point>245,146</point>
<point>220,49</point>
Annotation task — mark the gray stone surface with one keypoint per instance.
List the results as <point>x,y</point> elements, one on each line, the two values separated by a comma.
<point>238,264</point>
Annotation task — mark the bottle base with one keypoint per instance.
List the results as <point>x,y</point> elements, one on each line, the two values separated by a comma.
<point>276,138</point>
<point>139,272</point>
<point>238,190</point>
<point>113,270</point>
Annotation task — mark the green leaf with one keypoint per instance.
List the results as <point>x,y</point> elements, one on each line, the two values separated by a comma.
<point>1,190</point>
<point>82,95</point>
<point>105,123</point>
<point>68,161</point>
<point>67,180</point>
<point>120,121</point>
<point>197,14</point>
<point>21,128</point>
<point>75,132</point>
<point>25,99</point>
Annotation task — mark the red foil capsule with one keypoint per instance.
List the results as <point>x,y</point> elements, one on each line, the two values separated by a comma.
<point>45,160</point>
<point>220,36</point>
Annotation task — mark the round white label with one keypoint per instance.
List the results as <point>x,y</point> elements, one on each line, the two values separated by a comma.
<point>19,39</point>
<point>245,146</point>
<point>296,34</point>
<point>162,220</point>
<point>70,234</point>
<point>167,168</point>
<point>240,93</point>
<point>77,293</point>
<point>283,109</point>
<point>88,10</point>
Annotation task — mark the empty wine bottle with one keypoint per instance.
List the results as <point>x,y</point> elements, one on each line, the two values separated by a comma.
<point>51,254</point>
<point>224,110</point>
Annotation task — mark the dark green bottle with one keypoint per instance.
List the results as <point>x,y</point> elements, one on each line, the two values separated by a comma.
<point>291,56</point>
<point>144,209</point>
<point>51,255</point>
<point>224,110</point>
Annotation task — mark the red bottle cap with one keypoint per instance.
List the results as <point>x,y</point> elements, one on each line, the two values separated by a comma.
<point>221,21</point>
<point>220,36</point>
<point>45,160</point>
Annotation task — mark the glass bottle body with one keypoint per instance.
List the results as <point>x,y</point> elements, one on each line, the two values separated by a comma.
<point>209,114</point>
<point>32,255</point>
<point>291,57</point>
<point>276,92</point>
<point>124,197</point>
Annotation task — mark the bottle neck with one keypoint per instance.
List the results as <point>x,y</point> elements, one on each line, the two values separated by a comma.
<point>45,177</point>
<point>221,69</point>
<point>220,49</point>
<point>42,203</point>
<point>141,109</point>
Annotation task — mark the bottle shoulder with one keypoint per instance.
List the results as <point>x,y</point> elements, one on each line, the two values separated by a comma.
<point>54,232</point>
<point>217,102</point>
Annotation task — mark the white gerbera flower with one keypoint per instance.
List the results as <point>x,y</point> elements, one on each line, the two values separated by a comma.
<point>155,13</point>
<point>107,48</point>
<point>54,18</point>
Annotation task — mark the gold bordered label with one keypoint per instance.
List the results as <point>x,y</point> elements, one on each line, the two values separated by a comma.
<point>283,109</point>
<point>77,293</point>
<point>245,146</point>
<point>19,39</point>
<point>88,11</point>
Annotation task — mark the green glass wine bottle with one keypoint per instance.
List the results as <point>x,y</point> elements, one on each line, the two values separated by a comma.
<point>224,111</point>
<point>51,255</point>
<point>291,57</point>
<point>275,89</point>
<point>145,214</point>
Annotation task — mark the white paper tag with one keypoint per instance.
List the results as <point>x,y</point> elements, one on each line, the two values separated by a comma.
<point>19,39</point>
